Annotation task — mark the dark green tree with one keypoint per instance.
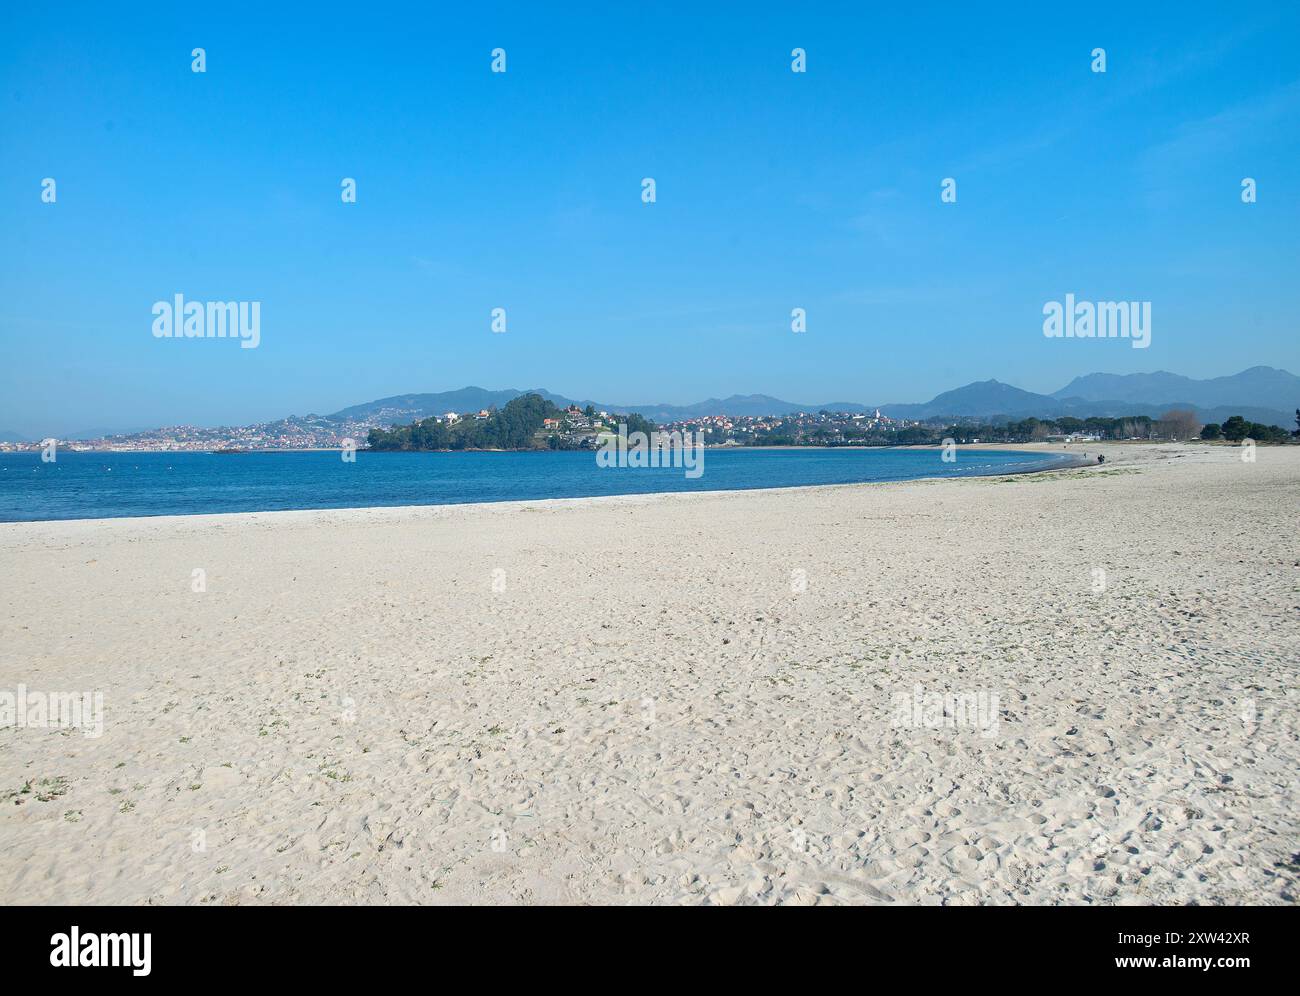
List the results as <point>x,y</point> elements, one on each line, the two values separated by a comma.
<point>1236,429</point>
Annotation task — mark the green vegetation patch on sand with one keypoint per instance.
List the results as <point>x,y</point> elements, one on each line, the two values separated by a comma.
<point>1080,473</point>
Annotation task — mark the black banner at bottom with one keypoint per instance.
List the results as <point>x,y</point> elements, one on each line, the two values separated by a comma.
<point>338,945</point>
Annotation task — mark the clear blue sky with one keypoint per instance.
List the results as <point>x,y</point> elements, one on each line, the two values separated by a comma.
<point>522,190</point>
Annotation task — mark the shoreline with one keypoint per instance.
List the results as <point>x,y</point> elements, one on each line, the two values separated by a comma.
<point>482,449</point>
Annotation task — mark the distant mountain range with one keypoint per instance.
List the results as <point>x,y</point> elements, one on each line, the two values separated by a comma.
<point>1263,386</point>
<point>1260,394</point>
<point>416,406</point>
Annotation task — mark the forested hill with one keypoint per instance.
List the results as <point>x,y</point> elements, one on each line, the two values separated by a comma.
<point>511,428</point>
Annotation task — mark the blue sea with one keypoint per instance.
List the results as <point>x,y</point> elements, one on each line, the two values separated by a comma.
<point>105,485</point>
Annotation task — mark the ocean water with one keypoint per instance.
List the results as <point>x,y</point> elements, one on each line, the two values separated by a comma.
<point>103,485</point>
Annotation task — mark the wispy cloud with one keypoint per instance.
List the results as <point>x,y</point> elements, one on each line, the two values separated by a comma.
<point>1236,127</point>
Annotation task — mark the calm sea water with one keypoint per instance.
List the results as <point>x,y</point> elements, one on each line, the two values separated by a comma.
<point>101,485</point>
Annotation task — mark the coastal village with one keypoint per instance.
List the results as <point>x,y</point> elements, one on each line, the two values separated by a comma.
<point>574,428</point>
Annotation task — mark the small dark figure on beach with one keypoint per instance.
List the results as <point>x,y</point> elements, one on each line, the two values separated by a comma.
<point>1101,459</point>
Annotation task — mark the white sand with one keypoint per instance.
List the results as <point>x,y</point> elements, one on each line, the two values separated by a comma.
<point>648,713</point>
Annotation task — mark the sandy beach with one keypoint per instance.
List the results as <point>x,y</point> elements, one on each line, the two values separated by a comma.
<point>1074,687</point>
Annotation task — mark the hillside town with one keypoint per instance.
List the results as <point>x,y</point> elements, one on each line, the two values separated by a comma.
<point>823,428</point>
<point>572,428</point>
<point>307,432</point>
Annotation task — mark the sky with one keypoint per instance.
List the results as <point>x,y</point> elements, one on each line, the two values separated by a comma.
<point>522,190</point>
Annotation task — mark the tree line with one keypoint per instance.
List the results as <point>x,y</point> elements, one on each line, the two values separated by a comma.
<point>510,428</point>
<point>1175,424</point>
<point>1235,429</point>
<point>514,427</point>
